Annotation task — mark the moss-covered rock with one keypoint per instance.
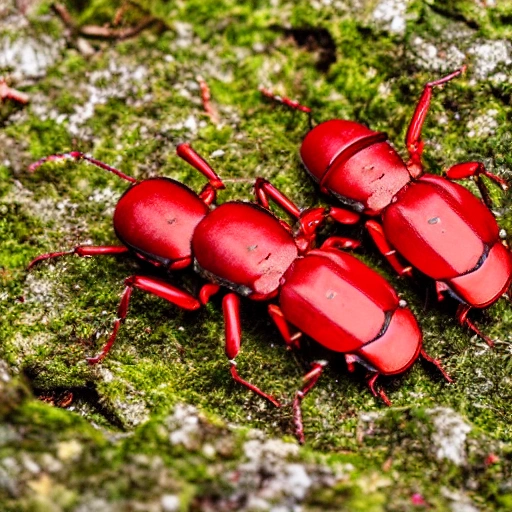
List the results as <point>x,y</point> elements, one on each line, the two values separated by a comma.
<point>117,436</point>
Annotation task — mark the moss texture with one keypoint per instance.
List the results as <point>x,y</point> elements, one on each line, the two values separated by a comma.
<point>129,103</point>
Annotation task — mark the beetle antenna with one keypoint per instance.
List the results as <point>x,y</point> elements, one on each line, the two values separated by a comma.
<point>77,155</point>
<point>293,104</point>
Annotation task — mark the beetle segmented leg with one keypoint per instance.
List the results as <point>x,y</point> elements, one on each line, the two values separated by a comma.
<point>154,286</point>
<point>206,97</point>
<point>370,380</point>
<point>233,331</point>
<point>310,379</point>
<point>291,340</point>
<point>380,240</point>
<point>437,364</point>
<point>413,140</point>
<point>187,153</point>
<point>462,317</point>
<point>81,250</point>
<point>476,170</point>
<point>7,93</point>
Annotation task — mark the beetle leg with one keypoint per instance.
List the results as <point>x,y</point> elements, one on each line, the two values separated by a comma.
<point>370,380</point>
<point>291,340</point>
<point>154,286</point>
<point>209,192</point>
<point>231,310</point>
<point>413,140</point>
<point>440,289</point>
<point>310,380</point>
<point>476,170</point>
<point>340,243</point>
<point>81,250</point>
<point>462,317</point>
<point>437,364</point>
<point>378,236</point>
<point>77,155</point>
<point>264,190</point>
<point>207,291</point>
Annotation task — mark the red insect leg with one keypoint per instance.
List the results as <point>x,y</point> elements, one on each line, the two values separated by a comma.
<point>462,317</point>
<point>81,250</point>
<point>154,286</point>
<point>7,93</point>
<point>340,243</point>
<point>370,380</point>
<point>231,309</point>
<point>291,340</point>
<point>206,97</point>
<point>378,236</point>
<point>437,364</point>
<point>310,379</point>
<point>264,191</point>
<point>476,169</point>
<point>413,140</point>
<point>209,192</point>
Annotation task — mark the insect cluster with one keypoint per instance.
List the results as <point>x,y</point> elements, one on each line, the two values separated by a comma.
<point>324,292</point>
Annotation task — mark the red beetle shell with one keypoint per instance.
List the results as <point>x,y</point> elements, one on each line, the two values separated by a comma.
<point>447,233</point>
<point>438,226</point>
<point>245,247</point>
<point>347,307</point>
<point>156,219</point>
<point>331,296</point>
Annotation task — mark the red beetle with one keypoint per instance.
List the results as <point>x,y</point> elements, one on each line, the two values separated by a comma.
<point>439,227</point>
<point>326,293</point>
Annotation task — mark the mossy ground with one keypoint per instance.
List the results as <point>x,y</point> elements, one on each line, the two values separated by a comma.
<point>129,104</point>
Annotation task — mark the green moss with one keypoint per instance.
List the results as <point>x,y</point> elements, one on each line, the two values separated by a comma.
<point>63,311</point>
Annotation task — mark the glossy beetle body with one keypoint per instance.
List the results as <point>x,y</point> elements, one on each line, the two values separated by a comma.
<point>326,293</point>
<point>156,218</point>
<point>437,226</point>
<point>331,296</point>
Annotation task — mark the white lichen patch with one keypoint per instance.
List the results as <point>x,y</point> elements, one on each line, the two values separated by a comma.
<point>118,81</point>
<point>434,58</point>
<point>484,125</point>
<point>40,289</point>
<point>459,502</point>
<point>28,56</point>
<point>68,451</point>
<point>131,409</point>
<point>449,436</point>
<point>489,56</point>
<point>184,426</point>
<point>390,15</point>
<point>107,197</point>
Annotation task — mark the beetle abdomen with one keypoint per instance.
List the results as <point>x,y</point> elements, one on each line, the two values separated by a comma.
<point>336,300</point>
<point>440,227</point>
<point>157,218</point>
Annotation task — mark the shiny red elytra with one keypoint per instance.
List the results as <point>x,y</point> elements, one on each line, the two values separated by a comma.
<point>325,293</point>
<point>437,226</point>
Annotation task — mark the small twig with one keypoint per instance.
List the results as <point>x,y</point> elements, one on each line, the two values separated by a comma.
<point>7,93</point>
<point>99,32</point>
<point>206,97</point>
